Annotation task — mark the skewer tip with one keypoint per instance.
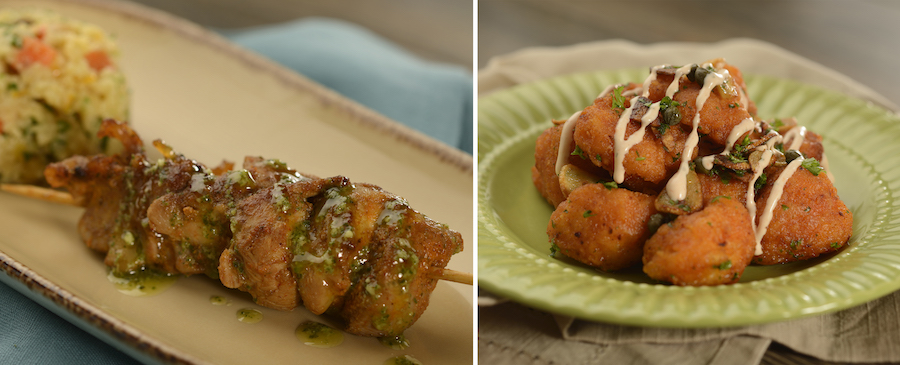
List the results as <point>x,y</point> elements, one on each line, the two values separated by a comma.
<point>455,276</point>
<point>40,193</point>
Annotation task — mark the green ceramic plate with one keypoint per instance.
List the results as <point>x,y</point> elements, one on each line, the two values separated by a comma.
<point>513,251</point>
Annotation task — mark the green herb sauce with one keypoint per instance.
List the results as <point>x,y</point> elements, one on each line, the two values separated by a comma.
<point>319,335</point>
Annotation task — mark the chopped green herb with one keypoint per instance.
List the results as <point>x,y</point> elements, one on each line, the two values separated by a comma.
<point>579,152</point>
<point>610,185</point>
<point>716,198</point>
<point>639,158</point>
<point>725,265</point>
<point>812,165</point>
<point>736,157</point>
<point>796,243</point>
<point>598,158</point>
<point>785,207</point>
<point>733,105</point>
<point>618,101</point>
<point>587,213</point>
<point>777,124</point>
<point>16,41</point>
<point>12,86</point>
<point>760,182</point>
<point>553,249</point>
<point>740,148</point>
<point>835,244</point>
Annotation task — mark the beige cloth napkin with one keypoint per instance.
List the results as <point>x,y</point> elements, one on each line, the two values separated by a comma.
<point>513,334</point>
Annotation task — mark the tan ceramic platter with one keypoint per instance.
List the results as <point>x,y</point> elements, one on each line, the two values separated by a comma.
<point>211,100</point>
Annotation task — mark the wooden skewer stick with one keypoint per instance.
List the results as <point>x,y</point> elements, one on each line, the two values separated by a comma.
<point>61,197</point>
<point>37,192</point>
<point>454,276</point>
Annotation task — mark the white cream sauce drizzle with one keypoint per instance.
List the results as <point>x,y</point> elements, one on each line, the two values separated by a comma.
<point>622,143</point>
<point>757,169</point>
<point>774,197</point>
<point>565,141</point>
<point>608,90</point>
<point>676,188</point>
<point>795,136</point>
<point>744,126</point>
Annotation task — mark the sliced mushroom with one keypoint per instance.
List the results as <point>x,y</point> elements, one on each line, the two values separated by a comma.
<point>571,177</point>
<point>692,202</point>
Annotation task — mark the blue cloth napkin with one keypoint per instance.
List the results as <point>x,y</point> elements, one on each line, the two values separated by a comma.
<point>433,98</point>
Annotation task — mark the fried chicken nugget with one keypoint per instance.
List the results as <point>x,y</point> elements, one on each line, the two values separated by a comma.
<point>602,227</point>
<point>710,247</point>
<point>714,186</point>
<point>648,164</point>
<point>543,173</point>
<point>807,221</point>
<point>720,113</point>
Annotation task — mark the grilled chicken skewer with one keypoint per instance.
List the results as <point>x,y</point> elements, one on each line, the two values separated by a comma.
<point>351,250</point>
<point>61,197</point>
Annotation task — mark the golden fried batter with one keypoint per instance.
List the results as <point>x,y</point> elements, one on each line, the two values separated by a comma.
<point>710,247</point>
<point>719,116</point>
<point>711,235</point>
<point>716,186</point>
<point>648,164</point>
<point>602,227</point>
<point>543,173</point>
<point>808,220</point>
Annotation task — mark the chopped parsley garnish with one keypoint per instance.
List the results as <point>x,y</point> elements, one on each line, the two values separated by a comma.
<point>587,213</point>
<point>736,157</point>
<point>760,182</point>
<point>777,124</point>
<point>742,147</point>
<point>795,244</point>
<point>16,41</point>
<point>553,249</point>
<point>725,265</point>
<point>812,165</point>
<point>610,185</point>
<point>618,101</point>
<point>785,207</point>
<point>599,159</point>
<point>579,152</point>
<point>716,198</point>
<point>639,158</point>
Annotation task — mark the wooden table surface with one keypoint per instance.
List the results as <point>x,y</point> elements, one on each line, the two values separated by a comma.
<point>856,38</point>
